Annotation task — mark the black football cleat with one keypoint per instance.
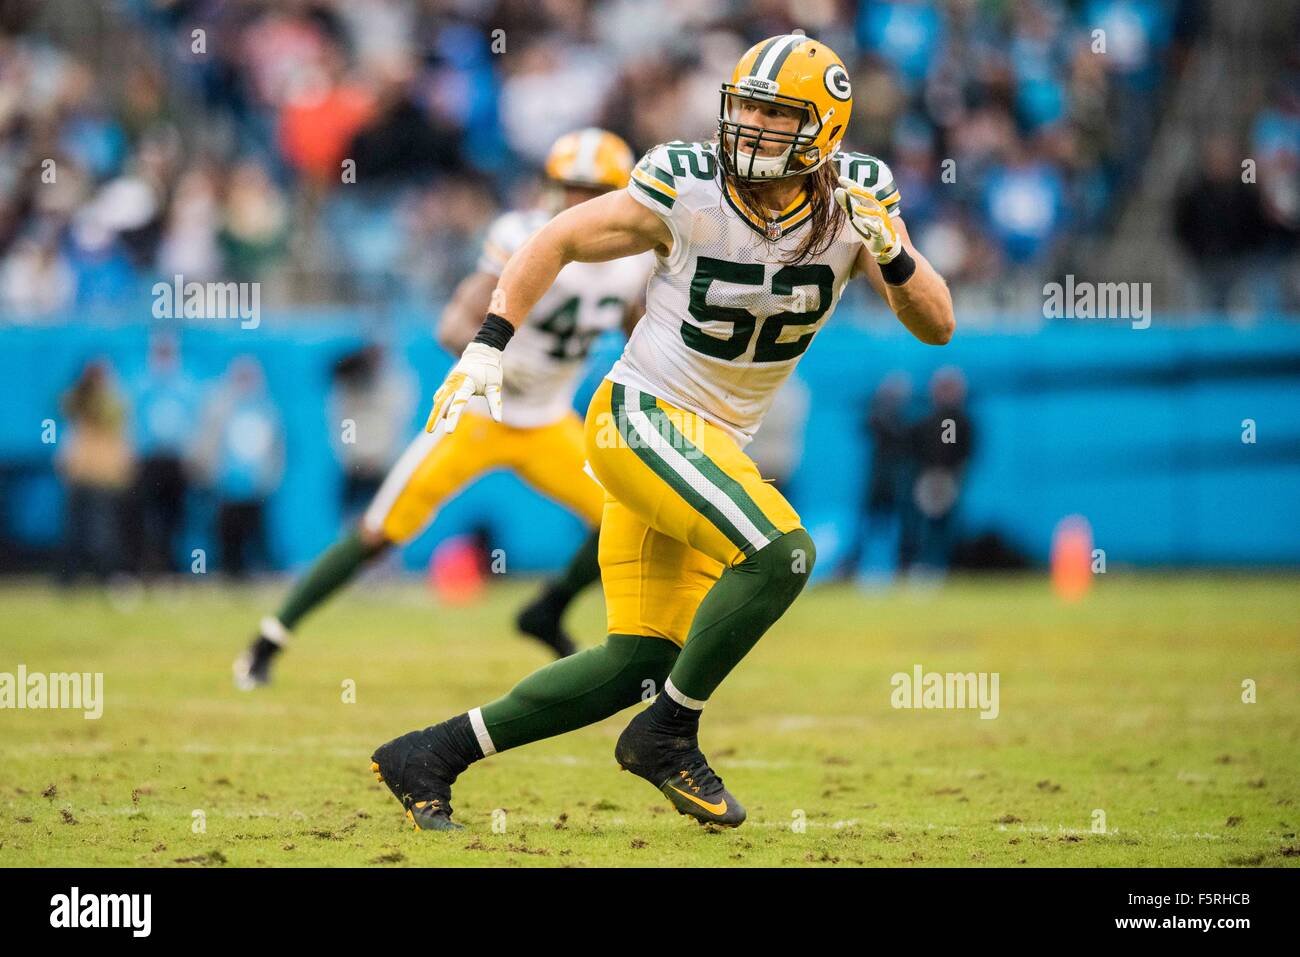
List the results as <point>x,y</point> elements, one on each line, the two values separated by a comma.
<point>420,777</point>
<point>252,669</point>
<point>541,620</point>
<point>677,767</point>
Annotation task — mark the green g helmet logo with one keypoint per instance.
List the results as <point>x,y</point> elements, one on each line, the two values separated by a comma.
<point>837,82</point>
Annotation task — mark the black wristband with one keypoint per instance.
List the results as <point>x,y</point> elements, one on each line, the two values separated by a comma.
<point>495,331</point>
<point>899,269</point>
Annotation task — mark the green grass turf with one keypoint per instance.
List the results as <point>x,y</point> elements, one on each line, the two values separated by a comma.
<point>1129,702</point>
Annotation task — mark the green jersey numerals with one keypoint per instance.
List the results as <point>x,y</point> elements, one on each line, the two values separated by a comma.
<point>871,174</point>
<point>571,343</point>
<point>862,169</point>
<point>691,158</point>
<point>767,349</point>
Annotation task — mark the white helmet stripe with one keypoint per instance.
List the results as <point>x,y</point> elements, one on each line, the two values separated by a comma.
<point>768,66</point>
<point>584,162</point>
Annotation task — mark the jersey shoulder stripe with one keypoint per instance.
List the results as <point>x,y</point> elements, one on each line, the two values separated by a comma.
<point>669,171</point>
<point>676,180</point>
<point>654,182</point>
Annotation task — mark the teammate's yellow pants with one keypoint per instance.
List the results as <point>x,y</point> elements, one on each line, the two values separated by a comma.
<point>435,466</point>
<point>682,502</point>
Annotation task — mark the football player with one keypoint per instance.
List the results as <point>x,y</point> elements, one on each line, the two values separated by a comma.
<point>535,432</point>
<point>755,236</point>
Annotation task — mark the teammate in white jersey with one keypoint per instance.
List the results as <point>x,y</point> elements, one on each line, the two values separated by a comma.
<point>539,436</point>
<point>755,237</point>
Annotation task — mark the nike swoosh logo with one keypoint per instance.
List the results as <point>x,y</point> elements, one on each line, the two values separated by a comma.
<point>719,808</point>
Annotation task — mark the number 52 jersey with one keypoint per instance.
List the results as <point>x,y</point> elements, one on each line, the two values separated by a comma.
<point>726,320</point>
<point>541,364</point>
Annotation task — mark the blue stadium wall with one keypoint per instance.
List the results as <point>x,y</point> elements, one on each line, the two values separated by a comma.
<point>1138,430</point>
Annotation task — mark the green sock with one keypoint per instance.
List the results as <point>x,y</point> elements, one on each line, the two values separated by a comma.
<point>336,566</point>
<point>739,608</point>
<point>579,690</point>
<point>582,570</point>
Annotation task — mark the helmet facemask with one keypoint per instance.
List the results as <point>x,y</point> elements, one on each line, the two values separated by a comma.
<point>740,145</point>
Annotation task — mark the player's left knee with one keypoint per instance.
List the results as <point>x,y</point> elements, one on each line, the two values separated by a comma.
<point>788,561</point>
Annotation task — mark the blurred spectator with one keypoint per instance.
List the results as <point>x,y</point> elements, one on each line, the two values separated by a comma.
<point>189,245</point>
<point>942,443</point>
<point>905,33</point>
<point>165,411</point>
<point>323,112</point>
<point>884,501</point>
<point>554,86</point>
<point>1222,252</point>
<point>1275,140</point>
<point>1023,203</point>
<point>401,142</point>
<point>1275,143</point>
<point>369,408</point>
<point>104,274</point>
<point>241,456</point>
<point>255,223</point>
<point>1136,35</point>
<point>35,279</point>
<point>95,461</point>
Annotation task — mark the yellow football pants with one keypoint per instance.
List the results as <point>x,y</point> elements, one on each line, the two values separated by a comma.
<point>435,466</point>
<point>682,502</point>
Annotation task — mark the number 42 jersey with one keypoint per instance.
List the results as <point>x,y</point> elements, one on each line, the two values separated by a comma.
<point>541,365</point>
<point>726,320</point>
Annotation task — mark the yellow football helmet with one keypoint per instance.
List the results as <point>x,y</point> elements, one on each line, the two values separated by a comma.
<point>591,159</point>
<point>793,71</point>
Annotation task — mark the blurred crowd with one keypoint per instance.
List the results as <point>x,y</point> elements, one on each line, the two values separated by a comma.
<point>134,450</point>
<point>918,468</point>
<point>356,151</point>
<point>147,459</point>
<point>917,450</point>
<point>1245,259</point>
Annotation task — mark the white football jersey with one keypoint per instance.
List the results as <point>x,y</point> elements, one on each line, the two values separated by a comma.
<point>541,364</point>
<point>726,321</point>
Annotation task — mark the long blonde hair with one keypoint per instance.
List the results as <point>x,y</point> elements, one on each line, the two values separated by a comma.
<point>826,218</point>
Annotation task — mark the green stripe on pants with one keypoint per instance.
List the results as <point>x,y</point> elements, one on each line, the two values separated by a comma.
<point>720,480</point>
<point>670,475</point>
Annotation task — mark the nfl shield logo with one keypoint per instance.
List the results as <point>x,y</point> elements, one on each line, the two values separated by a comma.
<point>773,230</point>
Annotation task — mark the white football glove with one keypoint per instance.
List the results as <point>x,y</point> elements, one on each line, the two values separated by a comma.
<point>870,219</point>
<point>477,373</point>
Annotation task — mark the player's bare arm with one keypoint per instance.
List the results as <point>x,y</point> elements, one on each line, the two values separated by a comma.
<point>608,227</point>
<point>913,289</point>
<point>463,315</point>
<point>923,303</point>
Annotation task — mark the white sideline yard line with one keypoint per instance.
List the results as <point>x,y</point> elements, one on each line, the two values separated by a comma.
<point>363,749</point>
<point>870,829</point>
<point>361,753</point>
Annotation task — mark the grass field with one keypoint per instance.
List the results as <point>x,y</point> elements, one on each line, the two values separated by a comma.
<point>1129,703</point>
